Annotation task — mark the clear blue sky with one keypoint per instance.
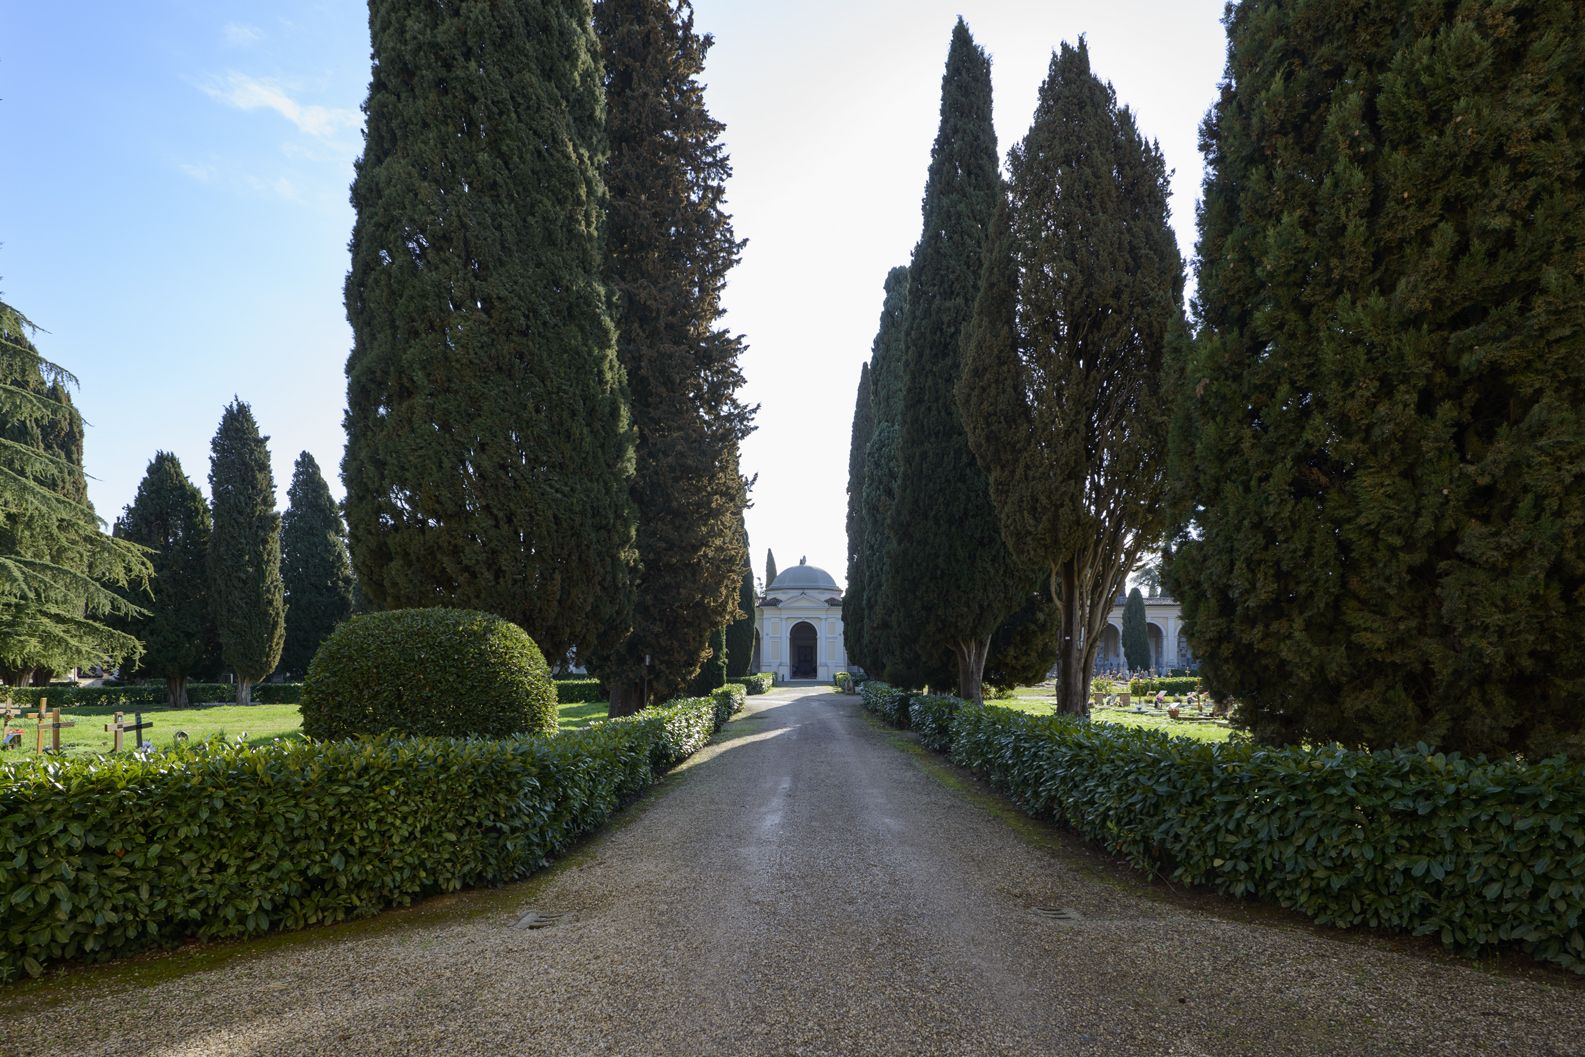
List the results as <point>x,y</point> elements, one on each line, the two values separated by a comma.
<point>176,208</point>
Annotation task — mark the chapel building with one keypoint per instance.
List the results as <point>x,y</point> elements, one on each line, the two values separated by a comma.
<point>799,621</point>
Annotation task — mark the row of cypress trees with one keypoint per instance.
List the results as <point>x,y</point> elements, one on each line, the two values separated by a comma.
<point>235,587</point>
<point>1365,460</point>
<point>543,419</point>
<point>1003,465</point>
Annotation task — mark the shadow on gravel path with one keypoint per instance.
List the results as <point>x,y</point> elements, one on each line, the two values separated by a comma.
<point>801,886</point>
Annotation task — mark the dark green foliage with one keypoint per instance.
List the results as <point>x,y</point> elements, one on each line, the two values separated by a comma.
<point>712,670</point>
<point>1383,423</point>
<point>170,518</point>
<point>740,633</point>
<point>315,570</point>
<point>1136,633</point>
<point>578,691</point>
<point>886,701</point>
<point>441,672</point>
<point>770,567</point>
<point>857,530</point>
<point>866,626</point>
<point>1175,685</point>
<point>669,249</point>
<point>489,449</point>
<point>949,579</point>
<point>59,573</point>
<point>729,701</point>
<point>1061,395</point>
<point>146,694</point>
<point>931,717</point>
<point>1481,855</point>
<point>103,857</point>
<point>246,597</point>
<point>759,684</point>
<point>1024,647</point>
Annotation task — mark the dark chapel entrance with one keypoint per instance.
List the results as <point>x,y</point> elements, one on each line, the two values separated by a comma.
<point>803,650</point>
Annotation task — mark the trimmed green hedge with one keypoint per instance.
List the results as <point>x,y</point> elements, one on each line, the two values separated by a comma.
<point>886,701</point>
<point>931,715</point>
<point>151,695</point>
<point>729,701</point>
<point>428,672</point>
<point>1480,854</point>
<point>1176,686</point>
<point>579,691</point>
<point>106,856</point>
<point>759,684</point>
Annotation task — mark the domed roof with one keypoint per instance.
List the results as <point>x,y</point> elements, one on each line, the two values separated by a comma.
<point>803,577</point>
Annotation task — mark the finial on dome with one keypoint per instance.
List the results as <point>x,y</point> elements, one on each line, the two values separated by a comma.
<point>804,560</point>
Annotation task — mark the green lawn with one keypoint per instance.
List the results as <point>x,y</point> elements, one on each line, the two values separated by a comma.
<point>253,723</point>
<point>1037,700</point>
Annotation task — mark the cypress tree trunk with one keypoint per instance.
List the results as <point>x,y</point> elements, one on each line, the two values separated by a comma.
<point>489,448</point>
<point>176,691</point>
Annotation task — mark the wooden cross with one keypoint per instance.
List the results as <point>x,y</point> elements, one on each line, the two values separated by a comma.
<point>41,718</point>
<point>56,724</point>
<point>121,727</point>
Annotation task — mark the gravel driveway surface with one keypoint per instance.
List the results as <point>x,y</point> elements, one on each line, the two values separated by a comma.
<point>809,884</point>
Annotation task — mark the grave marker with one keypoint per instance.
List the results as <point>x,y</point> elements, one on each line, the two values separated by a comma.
<point>120,728</point>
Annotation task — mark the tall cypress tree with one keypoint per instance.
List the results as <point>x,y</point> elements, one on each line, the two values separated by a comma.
<point>862,602</point>
<point>489,450</point>
<point>1136,633</point>
<point>170,518</point>
<point>245,591</point>
<point>315,572</point>
<point>949,579</point>
<point>740,633</point>
<point>770,567</point>
<point>1082,293</point>
<point>1382,428</point>
<point>60,574</point>
<point>670,246</point>
<point>858,446</point>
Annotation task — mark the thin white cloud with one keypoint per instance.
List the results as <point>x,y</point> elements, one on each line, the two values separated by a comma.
<point>252,93</point>
<point>241,35</point>
<point>202,173</point>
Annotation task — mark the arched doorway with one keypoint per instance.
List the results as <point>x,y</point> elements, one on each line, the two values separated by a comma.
<point>1110,656</point>
<point>803,650</point>
<point>1157,645</point>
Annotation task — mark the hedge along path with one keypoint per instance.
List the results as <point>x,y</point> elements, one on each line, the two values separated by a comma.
<point>107,856</point>
<point>1482,855</point>
<point>812,884</point>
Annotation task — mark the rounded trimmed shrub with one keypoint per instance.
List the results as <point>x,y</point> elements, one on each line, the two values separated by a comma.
<point>441,672</point>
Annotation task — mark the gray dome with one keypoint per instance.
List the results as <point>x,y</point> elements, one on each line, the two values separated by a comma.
<point>803,577</point>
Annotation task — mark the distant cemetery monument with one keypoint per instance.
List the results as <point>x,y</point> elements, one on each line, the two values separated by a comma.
<point>799,620</point>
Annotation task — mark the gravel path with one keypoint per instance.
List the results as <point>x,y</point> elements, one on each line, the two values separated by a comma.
<point>808,885</point>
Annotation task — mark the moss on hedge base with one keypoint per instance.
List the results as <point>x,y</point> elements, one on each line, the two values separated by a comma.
<point>434,672</point>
